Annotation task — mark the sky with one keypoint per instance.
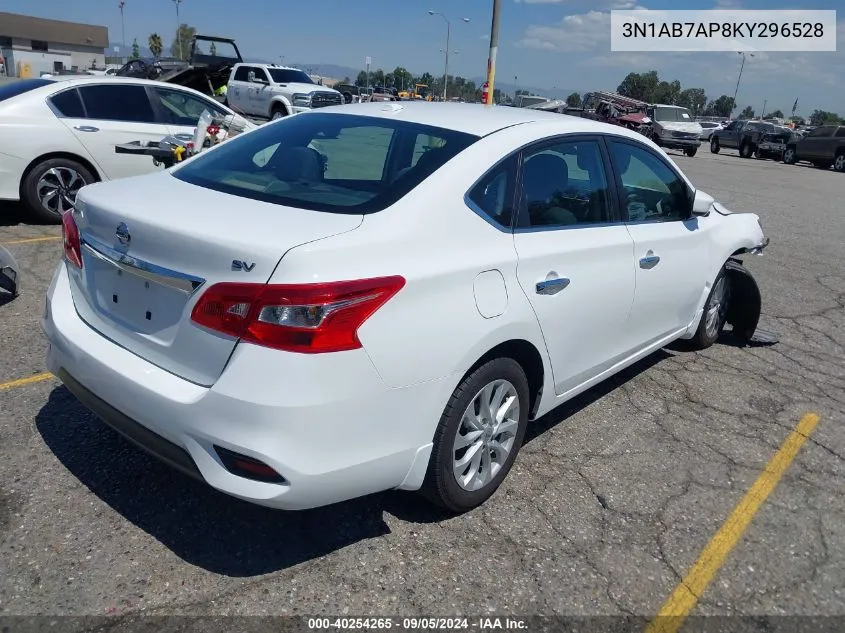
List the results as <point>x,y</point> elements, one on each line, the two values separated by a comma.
<point>562,45</point>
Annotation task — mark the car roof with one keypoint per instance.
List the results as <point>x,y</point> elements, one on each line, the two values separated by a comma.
<point>88,79</point>
<point>471,118</point>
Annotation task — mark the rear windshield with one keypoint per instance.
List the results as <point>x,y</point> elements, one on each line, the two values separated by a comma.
<point>15,88</point>
<point>338,163</point>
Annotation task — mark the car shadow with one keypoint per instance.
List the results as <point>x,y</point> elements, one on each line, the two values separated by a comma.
<point>13,214</point>
<point>225,535</point>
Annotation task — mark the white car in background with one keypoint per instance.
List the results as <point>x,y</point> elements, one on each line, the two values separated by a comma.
<point>707,129</point>
<point>58,134</point>
<point>357,299</point>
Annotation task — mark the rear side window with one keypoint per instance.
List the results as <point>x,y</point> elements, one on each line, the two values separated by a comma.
<point>69,104</point>
<point>326,162</point>
<point>494,193</point>
<point>15,88</point>
<point>118,103</point>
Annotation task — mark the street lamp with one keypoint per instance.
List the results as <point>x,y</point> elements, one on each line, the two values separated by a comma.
<point>120,5</point>
<point>740,76</point>
<point>448,38</point>
<point>179,29</point>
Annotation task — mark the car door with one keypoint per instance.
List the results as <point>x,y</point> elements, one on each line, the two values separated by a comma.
<point>237,90</point>
<point>812,147</point>
<point>671,252</point>
<point>116,113</point>
<point>180,110</point>
<point>259,93</point>
<point>574,257</point>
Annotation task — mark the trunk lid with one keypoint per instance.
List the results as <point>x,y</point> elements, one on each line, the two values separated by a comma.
<point>182,239</point>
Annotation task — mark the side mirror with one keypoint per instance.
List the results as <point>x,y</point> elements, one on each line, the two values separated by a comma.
<point>702,204</point>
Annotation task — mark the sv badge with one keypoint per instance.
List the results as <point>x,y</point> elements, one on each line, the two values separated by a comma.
<point>237,264</point>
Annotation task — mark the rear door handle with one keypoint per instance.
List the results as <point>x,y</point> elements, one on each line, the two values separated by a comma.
<point>86,128</point>
<point>551,286</point>
<point>649,261</point>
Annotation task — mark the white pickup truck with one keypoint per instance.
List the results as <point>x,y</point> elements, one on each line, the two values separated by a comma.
<point>271,92</point>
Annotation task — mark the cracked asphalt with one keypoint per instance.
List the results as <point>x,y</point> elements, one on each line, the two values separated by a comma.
<point>611,500</point>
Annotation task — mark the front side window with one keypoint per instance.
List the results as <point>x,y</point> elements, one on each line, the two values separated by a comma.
<point>325,162</point>
<point>181,108</point>
<point>840,132</point>
<point>118,103</point>
<point>564,184</point>
<point>242,73</point>
<point>822,131</point>
<point>652,190</point>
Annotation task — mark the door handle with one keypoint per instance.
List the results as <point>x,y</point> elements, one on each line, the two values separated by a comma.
<point>551,286</point>
<point>649,261</point>
<point>86,128</point>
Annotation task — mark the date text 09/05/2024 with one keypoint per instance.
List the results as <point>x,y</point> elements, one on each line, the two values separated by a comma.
<point>723,29</point>
<point>422,624</point>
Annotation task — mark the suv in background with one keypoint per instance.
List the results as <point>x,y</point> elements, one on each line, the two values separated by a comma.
<point>824,146</point>
<point>271,91</point>
<point>673,127</point>
<point>744,136</point>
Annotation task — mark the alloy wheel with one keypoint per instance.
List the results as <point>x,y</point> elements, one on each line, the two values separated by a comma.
<point>717,308</point>
<point>57,189</point>
<point>486,435</point>
<point>839,163</point>
<point>789,156</point>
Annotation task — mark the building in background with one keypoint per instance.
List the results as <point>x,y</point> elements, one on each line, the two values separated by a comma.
<point>34,46</point>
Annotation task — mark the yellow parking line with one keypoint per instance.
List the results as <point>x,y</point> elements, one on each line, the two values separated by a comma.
<point>32,240</point>
<point>683,599</point>
<point>20,382</point>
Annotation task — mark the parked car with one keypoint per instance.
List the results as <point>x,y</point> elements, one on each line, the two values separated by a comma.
<point>707,129</point>
<point>272,92</point>
<point>358,299</point>
<point>742,135</point>
<point>773,144</point>
<point>59,134</point>
<point>351,93</point>
<point>823,146</point>
<point>673,127</point>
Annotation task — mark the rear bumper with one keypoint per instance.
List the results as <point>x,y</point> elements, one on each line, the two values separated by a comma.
<point>327,424</point>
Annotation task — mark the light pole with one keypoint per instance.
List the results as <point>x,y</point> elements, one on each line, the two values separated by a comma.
<point>179,29</point>
<point>120,5</point>
<point>448,38</point>
<point>494,48</point>
<point>515,85</point>
<point>740,77</point>
<point>763,113</point>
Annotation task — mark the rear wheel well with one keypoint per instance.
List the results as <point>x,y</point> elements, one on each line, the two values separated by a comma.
<point>66,155</point>
<point>529,359</point>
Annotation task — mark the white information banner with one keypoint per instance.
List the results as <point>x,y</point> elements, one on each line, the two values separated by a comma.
<point>723,30</point>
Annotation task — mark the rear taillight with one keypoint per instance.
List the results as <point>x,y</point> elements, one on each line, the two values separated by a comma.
<point>306,318</point>
<point>70,237</point>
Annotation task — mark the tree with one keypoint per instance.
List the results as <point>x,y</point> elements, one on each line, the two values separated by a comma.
<point>693,99</point>
<point>574,100</point>
<point>136,50</point>
<point>361,79</point>
<point>721,107</point>
<point>747,113</point>
<point>821,117</point>
<point>155,45</point>
<point>427,79</point>
<point>181,47</point>
<point>402,78</point>
<point>666,92</point>
<point>640,86</point>
<point>377,77</point>
<point>213,50</point>
<point>777,114</point>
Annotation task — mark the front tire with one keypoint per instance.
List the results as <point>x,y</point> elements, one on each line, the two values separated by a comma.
<point>746,150</point>
<point>50,188</point>
<point>715,313</point>
<point>479,436</point>
<point>789,156</point>
<point>691,151</point>
<point>714,145</point>
<point>839,162</point>
<point>279,112</point>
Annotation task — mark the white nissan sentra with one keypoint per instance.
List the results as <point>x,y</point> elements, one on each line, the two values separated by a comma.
<point>384,296</point>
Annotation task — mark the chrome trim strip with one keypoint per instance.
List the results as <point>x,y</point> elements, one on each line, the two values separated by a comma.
<point>140,268</point>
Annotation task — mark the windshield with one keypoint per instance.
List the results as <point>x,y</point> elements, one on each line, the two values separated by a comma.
<point>527,101</point>
<point>327,162</point>
<point>289,76</point>
<point>672,114</point>
<point>15,88</point>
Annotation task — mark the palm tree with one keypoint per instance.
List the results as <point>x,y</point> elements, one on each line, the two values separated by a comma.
<point>155,45</point>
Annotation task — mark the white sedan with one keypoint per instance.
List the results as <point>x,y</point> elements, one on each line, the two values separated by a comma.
<point>58,134</point>
<point>384,296</point>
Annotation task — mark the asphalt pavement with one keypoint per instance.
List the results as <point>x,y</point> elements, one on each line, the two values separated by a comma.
<point>613,498</point>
